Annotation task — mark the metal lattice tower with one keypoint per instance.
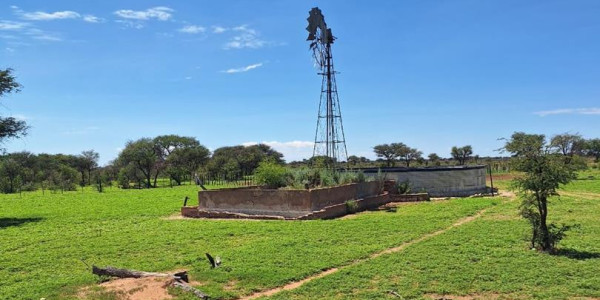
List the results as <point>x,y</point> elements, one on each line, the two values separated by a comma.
<point>330,140</point>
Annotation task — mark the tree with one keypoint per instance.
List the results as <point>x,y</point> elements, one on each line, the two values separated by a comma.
<point>11,171</point>
<point>141,154</point>
<point>568,144</point>
<point>186,161</point>
<point>592,148</point>
<point>461,154</point>
<point>353,160</point>
<point>544,170</point>
<point>10,127</point>
<point>89,162</point>
<point>389,152</point>
<point>408,154</point>
<point>241,159</point>
<point>434,159</point>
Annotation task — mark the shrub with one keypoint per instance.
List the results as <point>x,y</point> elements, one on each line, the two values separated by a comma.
<point>403,187</point>
<point>272,175</point>
<point>360,177</point>
<point>328,178</point>
<point>351,206</point>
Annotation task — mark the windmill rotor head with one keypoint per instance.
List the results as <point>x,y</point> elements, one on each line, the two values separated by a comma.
<point>317,28</point>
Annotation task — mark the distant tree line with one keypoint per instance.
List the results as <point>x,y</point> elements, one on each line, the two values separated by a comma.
<point>142,162</point>
<point>24,171</point>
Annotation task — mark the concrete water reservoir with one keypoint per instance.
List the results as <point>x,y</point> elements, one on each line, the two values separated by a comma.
<point>451,181</point>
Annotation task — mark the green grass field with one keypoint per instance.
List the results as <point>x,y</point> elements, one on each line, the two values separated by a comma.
<point>44,237</point>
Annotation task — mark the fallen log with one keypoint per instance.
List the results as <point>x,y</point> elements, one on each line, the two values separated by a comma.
<point>186,287</point>
<point>125,273</point>
<point>179,280</point>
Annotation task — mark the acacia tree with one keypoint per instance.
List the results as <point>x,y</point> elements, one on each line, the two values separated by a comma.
<point>592,148</point>
<point>461,154</point>
<point>544,170</point>
<point>141,154</point>
<point>408,154</point>
<point>10,127</point>
<point>389,152</point>
<point>89,161</point>
<point>434,159</point>
<point>353,160</point>
<point>233,160</point>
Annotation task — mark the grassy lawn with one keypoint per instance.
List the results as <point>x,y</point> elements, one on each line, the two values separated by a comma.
<point>43,238</point>
<point>486,258</point>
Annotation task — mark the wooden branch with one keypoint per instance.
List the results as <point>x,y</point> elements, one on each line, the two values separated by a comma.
<point>186,287</point>
<point>180,279</point>
<point>125,273</point>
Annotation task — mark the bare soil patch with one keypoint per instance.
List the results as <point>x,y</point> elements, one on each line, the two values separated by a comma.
<point>145,288</point>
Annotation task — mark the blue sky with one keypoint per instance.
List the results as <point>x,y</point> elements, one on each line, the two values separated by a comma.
<point>431,74</point>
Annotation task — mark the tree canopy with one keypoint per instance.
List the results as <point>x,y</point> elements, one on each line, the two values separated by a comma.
<point>9,126</point>
<point>461,154</point>
<point>394,151</point>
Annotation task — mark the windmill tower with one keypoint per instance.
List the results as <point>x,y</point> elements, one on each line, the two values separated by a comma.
<point>329,136</point>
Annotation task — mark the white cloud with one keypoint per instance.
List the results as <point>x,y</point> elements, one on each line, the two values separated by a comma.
<point>160,13</point>
<point>193,29</point>
<point>10,25</point>
<point>569,111</point>
<point>218,29</point>
<point>293,150</point>
<point>44,16</point>
<point>8,49</point>
<point>92,19</point>
<point>131,24</point>
<point>243,69</point>
<point>246,38</point>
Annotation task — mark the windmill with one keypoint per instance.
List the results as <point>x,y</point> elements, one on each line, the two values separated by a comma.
<point>329,135</point>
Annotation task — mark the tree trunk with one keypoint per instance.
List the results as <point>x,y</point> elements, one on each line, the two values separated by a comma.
<point>155,178</point>
<point>545,234</point>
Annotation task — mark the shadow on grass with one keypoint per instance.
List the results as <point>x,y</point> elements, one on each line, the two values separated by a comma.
<point>576,254</point>
<point>9,222</point>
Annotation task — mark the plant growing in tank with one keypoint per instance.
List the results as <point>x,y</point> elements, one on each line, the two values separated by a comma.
<point>403,187</point>
<point>272,175</point>
<point>351,206</point>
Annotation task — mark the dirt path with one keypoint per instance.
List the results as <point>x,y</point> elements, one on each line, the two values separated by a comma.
<point>585,195</point>
<point>297,284</point>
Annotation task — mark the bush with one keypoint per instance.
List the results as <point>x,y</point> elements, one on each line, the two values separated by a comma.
<point>403,187</point>
<point>351,206</point>
<point>272,175</point>
<point>309,178</point>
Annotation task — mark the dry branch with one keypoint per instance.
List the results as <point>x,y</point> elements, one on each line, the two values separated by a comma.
<point>186,287</point>
<point>180,279</point>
